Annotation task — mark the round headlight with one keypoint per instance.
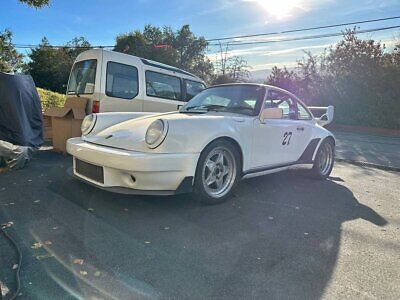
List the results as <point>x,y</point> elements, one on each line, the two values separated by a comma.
<point>156,133</point>
<point>88,124</point>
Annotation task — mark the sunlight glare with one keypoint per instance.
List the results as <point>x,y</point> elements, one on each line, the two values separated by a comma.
<point>279,8</point>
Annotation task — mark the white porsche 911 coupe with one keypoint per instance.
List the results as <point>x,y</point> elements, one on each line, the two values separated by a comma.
<point>223,134</point>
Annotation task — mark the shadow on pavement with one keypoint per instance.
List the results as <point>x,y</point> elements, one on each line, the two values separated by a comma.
<point>278,237</point>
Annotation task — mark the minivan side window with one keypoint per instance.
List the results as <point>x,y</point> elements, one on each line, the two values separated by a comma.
<point>122,81</point>
<point>193,88</point>
<point>163,86</point>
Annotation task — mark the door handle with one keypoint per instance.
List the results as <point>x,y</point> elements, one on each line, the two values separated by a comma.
<point>300,128</point>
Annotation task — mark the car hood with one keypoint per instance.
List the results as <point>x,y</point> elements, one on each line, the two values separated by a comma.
<point>130,135</point>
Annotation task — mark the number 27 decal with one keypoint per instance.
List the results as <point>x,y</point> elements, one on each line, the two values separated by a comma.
<point>286,138</point>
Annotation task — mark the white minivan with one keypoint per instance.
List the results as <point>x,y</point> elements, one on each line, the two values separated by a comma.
<point>114,81</point>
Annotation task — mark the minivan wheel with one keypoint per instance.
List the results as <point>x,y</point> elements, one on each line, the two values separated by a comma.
<point>217,172</point>
<point>324,160</point>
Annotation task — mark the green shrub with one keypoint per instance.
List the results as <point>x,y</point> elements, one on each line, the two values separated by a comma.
<point>50,99</point>
<point>361,78</point>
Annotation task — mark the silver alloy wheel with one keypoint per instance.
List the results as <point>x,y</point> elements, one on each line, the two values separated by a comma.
<point>219,172</point>
<point>326,158</point>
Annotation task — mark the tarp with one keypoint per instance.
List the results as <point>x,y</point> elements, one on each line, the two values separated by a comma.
<point>14,157</point>
<point>21,121</point>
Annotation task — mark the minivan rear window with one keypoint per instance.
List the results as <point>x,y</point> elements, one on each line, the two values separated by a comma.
<point>83,77</point>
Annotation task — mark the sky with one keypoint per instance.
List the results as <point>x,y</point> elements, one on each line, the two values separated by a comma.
<point>100,21</point>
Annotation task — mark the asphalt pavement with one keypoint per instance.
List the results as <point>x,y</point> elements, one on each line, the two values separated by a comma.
<point>373,150</point>
<point>282,236</point>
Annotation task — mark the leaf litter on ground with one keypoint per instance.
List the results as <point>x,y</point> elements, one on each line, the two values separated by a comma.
<point>97,274</point>
<point>41,257</point>
<point>78,261</point>
<point>7,225</point>
<point>4,289</point>
<point>37,245</point>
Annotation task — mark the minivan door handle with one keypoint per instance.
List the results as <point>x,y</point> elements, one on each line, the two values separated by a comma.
<point>300,128</point>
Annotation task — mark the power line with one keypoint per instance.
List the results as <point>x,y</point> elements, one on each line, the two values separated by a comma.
<point>27,46</point>
<point>303,29</point>
<point>311,37</point>
<point>21,46</point>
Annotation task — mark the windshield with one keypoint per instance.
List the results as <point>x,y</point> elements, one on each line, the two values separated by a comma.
<point>242,99</point>
<point>82,77</point>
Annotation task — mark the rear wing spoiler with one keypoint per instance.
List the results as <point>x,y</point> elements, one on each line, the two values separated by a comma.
<point>325,114</point>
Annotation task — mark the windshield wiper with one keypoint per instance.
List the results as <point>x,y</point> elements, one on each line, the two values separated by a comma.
<point>74,93</point>
<point>239,108</point>
<point>205,107</point>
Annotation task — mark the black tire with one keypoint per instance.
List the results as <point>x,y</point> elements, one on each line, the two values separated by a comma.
<point>323,172</point>
<point>203,193</point>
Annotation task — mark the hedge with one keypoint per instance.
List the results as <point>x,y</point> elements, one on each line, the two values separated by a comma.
<point>50,99</point>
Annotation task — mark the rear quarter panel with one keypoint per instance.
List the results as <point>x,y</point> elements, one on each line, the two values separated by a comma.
<point>321,133</point>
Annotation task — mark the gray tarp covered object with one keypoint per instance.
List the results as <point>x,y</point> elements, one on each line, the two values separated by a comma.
<point>15,157</point>
<point>21,121</point>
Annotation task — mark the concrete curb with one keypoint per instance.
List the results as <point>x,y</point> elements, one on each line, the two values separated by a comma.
<point>370,165</point>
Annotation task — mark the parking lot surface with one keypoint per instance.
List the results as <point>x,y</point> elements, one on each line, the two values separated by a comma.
<point>367,148</point>
<point>281,236</point>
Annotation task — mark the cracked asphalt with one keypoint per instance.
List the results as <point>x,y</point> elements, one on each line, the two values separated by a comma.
<point>282,236</point>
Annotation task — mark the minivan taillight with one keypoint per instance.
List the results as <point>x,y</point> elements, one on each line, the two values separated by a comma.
<point>96,107</point>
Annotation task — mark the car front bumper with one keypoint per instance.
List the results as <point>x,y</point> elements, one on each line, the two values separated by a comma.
<point>124,171</point>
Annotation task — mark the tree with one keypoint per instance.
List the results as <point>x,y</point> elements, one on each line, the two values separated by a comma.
<point>10,59</point>
<point>204,69</point>
<point>181,49</point>
<point>76,46</point>
<point>50,67</point>
<point>36,3</point>
<point>222,59</point>
<point>190,49</point>
<point>238,69</point>
<point>230,68</point>
<point>359,77</point>
<point>284,78</point>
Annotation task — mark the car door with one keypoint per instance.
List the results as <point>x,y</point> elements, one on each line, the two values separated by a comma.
<point>273,138</point>
<point>121,84</point>
<point>302,131</point>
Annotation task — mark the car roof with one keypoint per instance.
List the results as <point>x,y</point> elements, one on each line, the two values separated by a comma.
<point>254,84</point>
<point>268,86</point>
<point>251,84</point>
<point>144,61</point>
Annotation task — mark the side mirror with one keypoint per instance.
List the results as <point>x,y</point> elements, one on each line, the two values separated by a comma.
<point>271,113</point>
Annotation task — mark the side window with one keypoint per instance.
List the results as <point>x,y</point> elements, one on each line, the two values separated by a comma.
<point>282,100</point>
<point>163,86</point>
<point>302,113</point>
<point>122,81</point>
<point>193,88</point>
